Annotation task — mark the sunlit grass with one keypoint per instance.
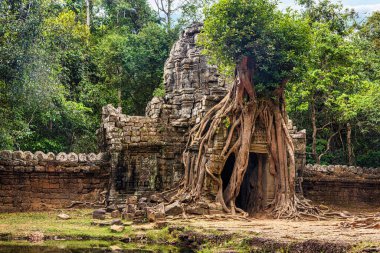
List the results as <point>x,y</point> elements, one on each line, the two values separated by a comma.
<point>365,247</point>
<point>160,235</point>
<point>23,224</point>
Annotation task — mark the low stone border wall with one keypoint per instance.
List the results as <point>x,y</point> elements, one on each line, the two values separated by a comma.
<point>342,185</point>
<point>343,169</point>
<point>39,181</point>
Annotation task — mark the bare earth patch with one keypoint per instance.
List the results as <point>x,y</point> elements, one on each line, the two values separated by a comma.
<point>287,230</point>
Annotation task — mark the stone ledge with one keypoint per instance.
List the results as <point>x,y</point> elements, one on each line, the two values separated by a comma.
<point>52,168</point>
<point>342,180</point>
<point>340,170</point>
<point>7,156</point>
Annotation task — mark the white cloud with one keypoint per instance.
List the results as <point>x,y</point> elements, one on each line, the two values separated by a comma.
<point>365,8</point>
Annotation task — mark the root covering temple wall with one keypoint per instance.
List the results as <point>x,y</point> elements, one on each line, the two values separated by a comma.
<point>147,152</point>
<point>44,181</point>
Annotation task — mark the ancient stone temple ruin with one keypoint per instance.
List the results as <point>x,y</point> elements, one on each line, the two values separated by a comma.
<point>143,154</point>
<point>146,152</point>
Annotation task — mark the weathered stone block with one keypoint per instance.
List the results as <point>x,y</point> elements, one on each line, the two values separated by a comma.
<point>174,209</point>
<point>99,214</point>
<point>135,139</point>
<point>115,214</point>
<point>127,216</point>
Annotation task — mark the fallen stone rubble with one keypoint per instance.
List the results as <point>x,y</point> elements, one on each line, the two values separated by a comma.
<point>154,209</point>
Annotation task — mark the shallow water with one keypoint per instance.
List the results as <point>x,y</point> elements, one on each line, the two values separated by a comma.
<point>53,249</point>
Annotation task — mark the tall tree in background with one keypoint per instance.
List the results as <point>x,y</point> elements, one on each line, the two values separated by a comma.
<point>127,15</point>
<point>264,45</point>
<point>20,25</point>
<point>365,103</point>
<point>337,18</point>
<point>193,10</point>
<point>334,72</point>
<point>132,63</point>
<point>88,13</point>
<point>177,14</point>
<point>167,8</point>
<point>330,73</point>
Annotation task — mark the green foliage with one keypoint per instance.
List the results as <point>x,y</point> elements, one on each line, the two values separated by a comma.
<point>370,158</point>
<point>159,91</point>
<point>134,63</point>
<point>334,15</point>
<point>371,29</point>
<point>56,72</point>
<point>144,57</point>
<point>127,15</point>
<point>193,11</point>
<point>275,41</point>
<point>227,122</point>
<point>339,81</point>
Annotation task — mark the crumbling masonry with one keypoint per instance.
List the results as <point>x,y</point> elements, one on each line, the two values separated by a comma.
<point>146,152</point>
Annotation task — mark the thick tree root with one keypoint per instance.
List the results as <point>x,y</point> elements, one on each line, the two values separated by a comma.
<point>300,208</point>
<point>236,119</point>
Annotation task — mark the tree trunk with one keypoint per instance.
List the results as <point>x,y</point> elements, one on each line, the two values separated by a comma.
<point>119,97</point>
<point>314,135</point>
<point>350,153</point>
<point>233,187</point>
<point>169,15</point>
<point>88,13</point>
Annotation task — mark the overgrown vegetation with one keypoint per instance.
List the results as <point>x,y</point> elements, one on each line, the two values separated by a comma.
<point>61,61</point>
<point>337,92</point>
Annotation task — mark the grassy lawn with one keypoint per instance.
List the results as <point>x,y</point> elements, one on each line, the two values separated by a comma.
<point>23,224</point>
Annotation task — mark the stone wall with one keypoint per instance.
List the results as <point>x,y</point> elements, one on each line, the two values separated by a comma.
<point>44,181</point>
<point>144,152</point>
<point>342,185</point>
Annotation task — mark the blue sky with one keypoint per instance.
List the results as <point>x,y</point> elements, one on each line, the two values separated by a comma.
<point>361,6</point>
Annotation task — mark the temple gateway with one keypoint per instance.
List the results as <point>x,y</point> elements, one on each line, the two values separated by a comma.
<point>145,152</point>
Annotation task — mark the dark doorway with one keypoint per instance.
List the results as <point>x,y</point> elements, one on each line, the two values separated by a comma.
<point>227,170</point>
<point>250,197</point>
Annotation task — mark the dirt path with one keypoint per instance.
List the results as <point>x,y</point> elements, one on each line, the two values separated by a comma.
<point>285,230</point>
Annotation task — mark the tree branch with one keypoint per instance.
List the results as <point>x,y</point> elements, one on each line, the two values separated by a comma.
<point>328,145</point>
<point>320,128</point>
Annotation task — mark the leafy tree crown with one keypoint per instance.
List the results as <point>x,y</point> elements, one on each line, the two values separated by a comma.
<point>275,42</point>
